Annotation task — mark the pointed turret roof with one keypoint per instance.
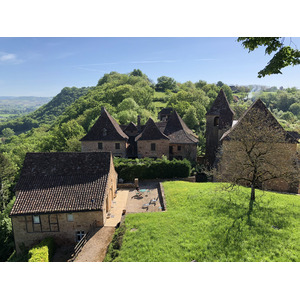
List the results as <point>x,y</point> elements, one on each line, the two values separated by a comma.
<point>269,119</point>
<point>151,132</point>
<point>177,130</point>
<point>220,105</point>
<point>106,128</point>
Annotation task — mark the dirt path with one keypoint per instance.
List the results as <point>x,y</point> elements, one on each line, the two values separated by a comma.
<point>95,249</point>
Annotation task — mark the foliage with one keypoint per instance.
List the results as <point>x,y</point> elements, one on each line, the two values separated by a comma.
<point>284,55</point>
<point>6,234</point>
<point>42,252</point>
<point>148,168</point>
<point>165,83</point>
<point>205,222</point>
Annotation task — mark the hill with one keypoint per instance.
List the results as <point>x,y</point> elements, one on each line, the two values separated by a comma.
<point>45,114</point>
<point>204,222</point>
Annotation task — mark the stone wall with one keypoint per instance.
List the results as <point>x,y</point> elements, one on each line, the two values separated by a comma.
<point>161,148</point>
<point>62,230</point>
<point>107,146</point>
<point>188,151</point>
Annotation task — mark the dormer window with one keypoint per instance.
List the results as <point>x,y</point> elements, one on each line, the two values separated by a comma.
<point>216,121</point>
<point>104,132</point>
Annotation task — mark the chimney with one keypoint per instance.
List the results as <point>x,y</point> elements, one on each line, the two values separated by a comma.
<point>139,123</point>
<point>102,109</point>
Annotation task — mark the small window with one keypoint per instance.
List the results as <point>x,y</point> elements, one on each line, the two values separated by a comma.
<point>117,145</point>
<point>79,235</point>
<point>70,217</point>
<point>216,121</point>
<point>36,220</point>
<point>104,132</point>
<point>153,147</point>
<point>100,147</point>
<point>179,148</point>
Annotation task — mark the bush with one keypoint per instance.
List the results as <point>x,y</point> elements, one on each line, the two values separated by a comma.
<point>148,168</point>
<point>42,252</point>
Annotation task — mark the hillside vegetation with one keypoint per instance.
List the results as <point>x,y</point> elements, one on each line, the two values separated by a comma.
<point>204,222</point>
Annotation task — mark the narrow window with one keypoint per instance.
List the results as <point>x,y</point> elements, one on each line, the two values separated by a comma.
<point>104,131</point>
<point>100,147</point>
<point>36,220</point>
<point>153,147</point>
<point>179,148</point>
<point>216,121</point>
<point>79,235</point>
<point>117,146</point>
<point>70,217</point>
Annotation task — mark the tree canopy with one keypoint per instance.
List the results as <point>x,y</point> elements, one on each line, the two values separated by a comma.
<point>283,56</point>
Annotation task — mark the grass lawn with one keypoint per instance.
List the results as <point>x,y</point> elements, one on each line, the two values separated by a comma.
<point>204,222</point>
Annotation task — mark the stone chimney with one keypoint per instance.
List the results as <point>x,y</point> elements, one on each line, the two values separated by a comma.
<point>139,123</point>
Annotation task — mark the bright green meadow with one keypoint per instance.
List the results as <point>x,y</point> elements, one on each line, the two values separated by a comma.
<point>206,222</point>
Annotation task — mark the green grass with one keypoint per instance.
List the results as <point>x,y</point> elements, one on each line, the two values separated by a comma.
<point>204,222</point>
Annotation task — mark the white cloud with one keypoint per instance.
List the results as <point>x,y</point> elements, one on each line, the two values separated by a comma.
<point>9,58</point>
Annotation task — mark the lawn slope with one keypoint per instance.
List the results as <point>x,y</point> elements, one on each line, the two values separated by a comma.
<point>203,222</point>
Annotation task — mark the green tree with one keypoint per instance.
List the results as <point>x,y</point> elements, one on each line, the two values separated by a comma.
<point>8,132</point>
<point>128,104</point>
<point>295,108</point>
<point>190,118</point>
<point>165,83</point>
<point>284,55</point>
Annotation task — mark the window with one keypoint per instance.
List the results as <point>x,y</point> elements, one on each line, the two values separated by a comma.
<point>70,217</point>
<point>179,148</point>
<point>216,121</point>
<point>100,147</point>
<point>104,132</point>
<point>79,235</point>
<point>36,220</point>
<point>153,147</point>
<point>117,145</point>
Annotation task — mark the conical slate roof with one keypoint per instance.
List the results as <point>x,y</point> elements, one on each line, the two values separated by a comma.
<point>151,132</point>
<point>106,128</point>
<point>221,108</point>
<point>177,130</point>
<point>258,105</point>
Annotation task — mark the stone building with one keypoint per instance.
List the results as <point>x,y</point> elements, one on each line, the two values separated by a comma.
<point>62,195</point>
<point>106,136</point>
<point>170,137</point>
<point>223,131</point>
<point>219,119</point>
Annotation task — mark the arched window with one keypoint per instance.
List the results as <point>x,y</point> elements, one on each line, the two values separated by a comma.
<point>216,121</point>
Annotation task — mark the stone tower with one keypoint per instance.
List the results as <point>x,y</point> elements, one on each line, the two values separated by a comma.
<point>218,120</point>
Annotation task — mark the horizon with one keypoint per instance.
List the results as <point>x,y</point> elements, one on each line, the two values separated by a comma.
<point>42,67</point>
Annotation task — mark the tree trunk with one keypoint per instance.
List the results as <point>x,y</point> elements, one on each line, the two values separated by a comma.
<point>252,200</point>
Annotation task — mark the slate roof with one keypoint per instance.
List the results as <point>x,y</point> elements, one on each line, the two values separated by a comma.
<point>130,127</point>
<point>221,108</point>
<point>178,132</point>
<point>151,132</point>
<point>259,105</point>
<point>62,182</point>
<point>113,130</point>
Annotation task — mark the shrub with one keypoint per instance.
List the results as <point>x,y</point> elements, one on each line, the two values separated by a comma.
<point>148,168</point>
<point>42,252</point>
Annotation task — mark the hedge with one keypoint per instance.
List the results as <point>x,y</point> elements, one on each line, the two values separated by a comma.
<point>42,252</point>
<point>148,168</point>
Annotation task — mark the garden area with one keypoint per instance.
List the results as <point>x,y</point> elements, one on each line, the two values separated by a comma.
<point>206,222</point>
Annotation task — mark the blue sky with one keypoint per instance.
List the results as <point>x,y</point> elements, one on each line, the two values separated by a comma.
<point>43,66</point>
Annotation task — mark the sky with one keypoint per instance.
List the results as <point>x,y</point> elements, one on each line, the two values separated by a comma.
<point>43,66</point>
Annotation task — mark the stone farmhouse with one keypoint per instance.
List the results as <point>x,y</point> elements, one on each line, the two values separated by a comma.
<point>62,195</point>
<point>170,137</point>
<point>220,126</point>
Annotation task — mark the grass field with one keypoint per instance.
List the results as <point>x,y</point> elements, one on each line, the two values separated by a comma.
<point>203,222</point>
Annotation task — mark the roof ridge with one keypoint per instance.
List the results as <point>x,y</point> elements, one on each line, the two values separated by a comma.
<point>151,124</point>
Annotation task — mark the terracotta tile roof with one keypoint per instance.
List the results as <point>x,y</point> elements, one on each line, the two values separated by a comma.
<point>259,105</point>
<point>221,108</point>
<point>106,128</point>
<point>178,132</point>
<point>151,132</point>
<point>62,182</point>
